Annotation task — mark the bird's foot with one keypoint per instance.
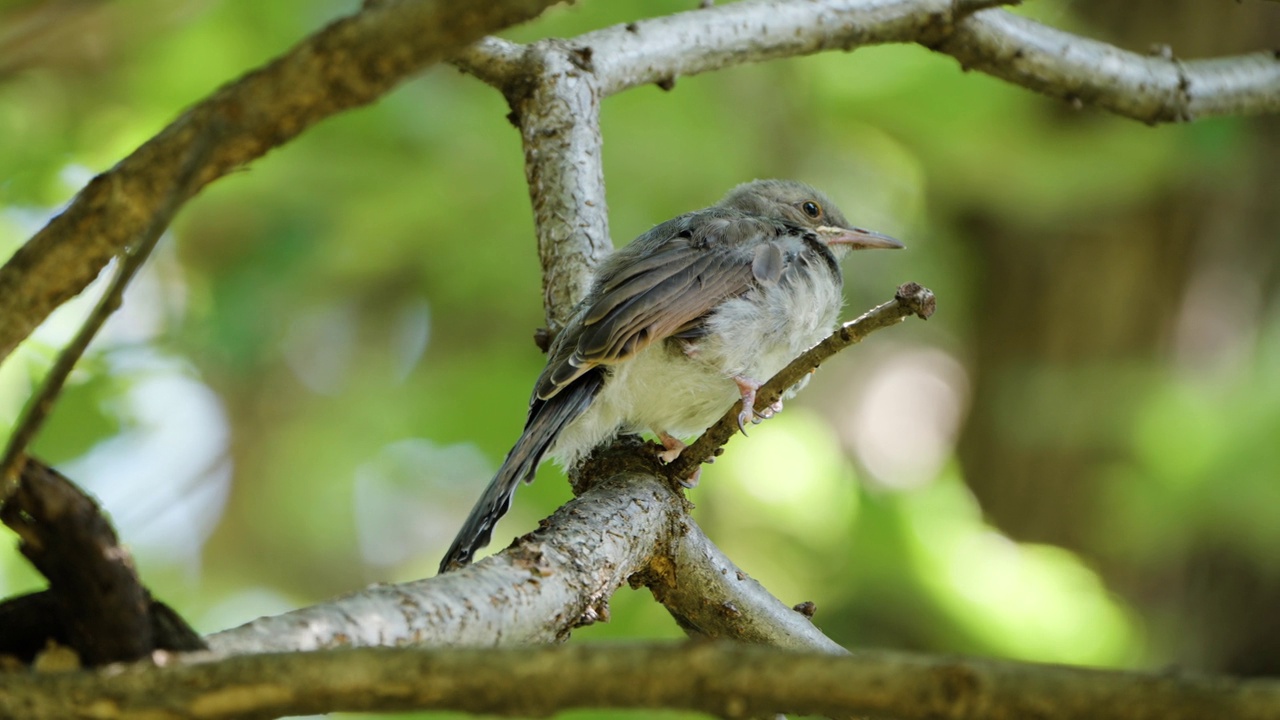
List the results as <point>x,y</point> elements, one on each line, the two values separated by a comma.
<point>748,387</point>
<point>673,447</point>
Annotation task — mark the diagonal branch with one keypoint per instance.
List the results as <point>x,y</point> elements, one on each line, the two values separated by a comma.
<point>351,62</point>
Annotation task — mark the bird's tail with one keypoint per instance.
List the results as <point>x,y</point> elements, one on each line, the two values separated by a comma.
<point>546,419</point>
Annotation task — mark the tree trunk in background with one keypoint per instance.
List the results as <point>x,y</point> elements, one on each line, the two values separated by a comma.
<point>1074,316</point>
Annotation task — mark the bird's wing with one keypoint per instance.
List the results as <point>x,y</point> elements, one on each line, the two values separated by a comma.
<point>667,285</point>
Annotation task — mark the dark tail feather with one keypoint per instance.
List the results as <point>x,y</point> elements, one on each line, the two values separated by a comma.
<point>546,420</point>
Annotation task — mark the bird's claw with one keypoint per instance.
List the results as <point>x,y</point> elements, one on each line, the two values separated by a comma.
<point>747,388</point>
<point>672,447</point>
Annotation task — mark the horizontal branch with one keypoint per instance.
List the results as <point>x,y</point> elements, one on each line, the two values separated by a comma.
<point>728,680</point>
<point>659,50</point>
<point>349,63</point>
<point>665,48</point>
<point>1152,89</point>
<point>1016,49</point>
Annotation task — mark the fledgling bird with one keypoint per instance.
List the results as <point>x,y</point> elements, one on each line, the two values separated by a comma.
<point>690,317</point>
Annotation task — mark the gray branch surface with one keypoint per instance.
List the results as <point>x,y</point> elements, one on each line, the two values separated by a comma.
<point>1153,89</point>
<point>722,679</point>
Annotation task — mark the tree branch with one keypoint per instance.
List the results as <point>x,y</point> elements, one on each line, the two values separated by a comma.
<point>1013,48</point>
<point>558,113</point>
<point>728,680</point>
<point>660,50</point>
<point>1152,89</point>
<point>349,63</point>
<point>710,597</point>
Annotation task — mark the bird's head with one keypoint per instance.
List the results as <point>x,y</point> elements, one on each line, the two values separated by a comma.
<point>799,204</point>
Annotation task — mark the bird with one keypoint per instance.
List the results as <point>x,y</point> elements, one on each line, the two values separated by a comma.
<point>688,318</point>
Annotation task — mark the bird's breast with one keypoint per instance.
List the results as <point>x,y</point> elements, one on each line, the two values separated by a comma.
<point>757,334</point>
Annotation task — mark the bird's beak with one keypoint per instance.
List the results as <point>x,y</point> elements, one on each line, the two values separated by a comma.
<point>857,238</point>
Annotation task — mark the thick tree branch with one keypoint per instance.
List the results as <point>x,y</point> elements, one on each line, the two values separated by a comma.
<point>1152,89</point>
<point>728,680</point>
<point>662,49</point>
<point>559,119</point>
<point>351,62</point>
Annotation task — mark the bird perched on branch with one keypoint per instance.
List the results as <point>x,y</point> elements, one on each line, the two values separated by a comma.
<point>690,317</point>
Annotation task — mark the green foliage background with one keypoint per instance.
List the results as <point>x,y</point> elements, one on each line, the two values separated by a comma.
<point>332,350</point>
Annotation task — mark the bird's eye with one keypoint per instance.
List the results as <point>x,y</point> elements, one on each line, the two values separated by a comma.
<point>811,208</point>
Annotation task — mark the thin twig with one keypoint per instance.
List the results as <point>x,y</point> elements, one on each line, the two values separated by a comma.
<point>911,299</point>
